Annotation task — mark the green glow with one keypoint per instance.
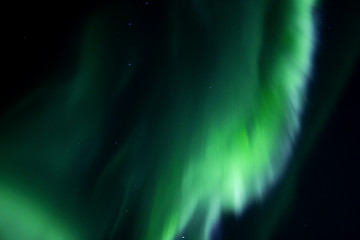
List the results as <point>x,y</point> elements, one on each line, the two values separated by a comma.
<point>22,217</point>
<point>230,163</point>
<point>213,134</point>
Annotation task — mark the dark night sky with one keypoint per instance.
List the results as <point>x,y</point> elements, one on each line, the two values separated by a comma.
<point>40,38</point>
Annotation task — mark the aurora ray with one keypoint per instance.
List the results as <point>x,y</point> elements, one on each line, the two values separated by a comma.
<point>246,125</point>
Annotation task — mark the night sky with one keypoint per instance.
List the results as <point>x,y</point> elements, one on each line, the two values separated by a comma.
<point>193,119</point>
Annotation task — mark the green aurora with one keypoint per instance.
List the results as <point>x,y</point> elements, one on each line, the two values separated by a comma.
<point>120,150</point>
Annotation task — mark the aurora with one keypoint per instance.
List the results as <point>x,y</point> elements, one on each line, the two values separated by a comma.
<point>158,132</point>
